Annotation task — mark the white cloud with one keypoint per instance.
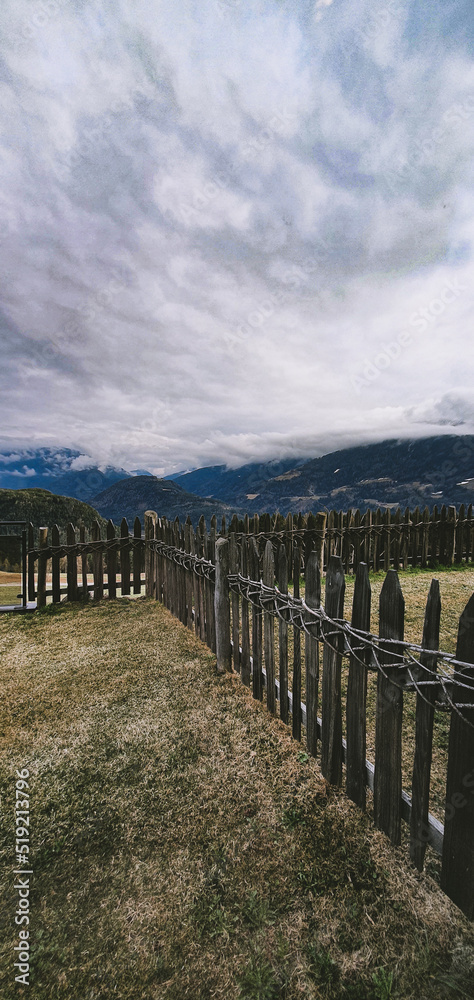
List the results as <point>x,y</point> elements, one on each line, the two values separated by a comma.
<point>320,7</point>
<point>212,220</point>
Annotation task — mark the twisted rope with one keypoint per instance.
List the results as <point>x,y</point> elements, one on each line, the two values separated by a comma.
<point>404,658</point>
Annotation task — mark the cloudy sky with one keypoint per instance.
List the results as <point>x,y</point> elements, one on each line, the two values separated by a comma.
<point>235,229</point>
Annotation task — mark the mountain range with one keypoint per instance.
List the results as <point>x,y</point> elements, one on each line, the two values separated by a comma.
<point>131,497</point>
<point>428,471</point>
<point>395,473</point>
<point>55,470</point>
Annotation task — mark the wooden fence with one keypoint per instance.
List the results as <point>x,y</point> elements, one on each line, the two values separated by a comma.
<point>232,588</point>
<point>382,539</point>
<point>85,572</point>
<point>231,595</point>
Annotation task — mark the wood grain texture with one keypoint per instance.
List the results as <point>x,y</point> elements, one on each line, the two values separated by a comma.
<point>356,711</point>
<point>331,730</point>
<point>389,713</point>
<point>313,600</point>
<point>457,873</point>
<point>420,797</point>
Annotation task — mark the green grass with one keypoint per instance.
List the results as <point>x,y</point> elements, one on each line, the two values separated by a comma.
<point>10,595</point>
<point>183,845</point>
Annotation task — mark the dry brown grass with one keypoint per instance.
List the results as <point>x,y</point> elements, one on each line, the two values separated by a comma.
<point>12,578</point>
<point>183,845</point>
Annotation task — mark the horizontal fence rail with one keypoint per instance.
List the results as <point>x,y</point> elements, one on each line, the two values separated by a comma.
<point>232,588</point>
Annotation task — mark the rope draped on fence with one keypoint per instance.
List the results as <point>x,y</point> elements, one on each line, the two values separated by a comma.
<point>84,548</point>
<point>438,679</point>
<point>196,564</point>
<point>317,624</point>
<point>413,674</point>
<point>356,529</point>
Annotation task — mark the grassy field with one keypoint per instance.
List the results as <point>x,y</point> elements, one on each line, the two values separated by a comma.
<point>183,846</point>
<point>9,595</point>
<point>10,586</point>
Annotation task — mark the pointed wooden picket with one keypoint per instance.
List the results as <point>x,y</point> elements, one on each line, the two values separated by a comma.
<point>389,712</point>
<point>254,573</point>
<point>269,628</point>
<point>425,700</point>
<point>296,686</point>
<point>331,730</point>
<point>312,598</point>
<point>457,873</point>
<point>357,692</point>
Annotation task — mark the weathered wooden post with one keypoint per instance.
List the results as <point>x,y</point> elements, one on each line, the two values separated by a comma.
<point>468,534</point>
<point>212,618</point>
<point>222,607</point>
<point>245,660</point>
<point>331,533</point>
<point>282,574</point>
<point>205,583</point>
<point>234,568</point>
<point>289,546</point>
<point>425,701</point>
<point>377,529</point>
<point>424,535</point>
<point>367,536</point>
<point>150,521</point>
<point>56,565</point>
<point>180,590</point>
<point>357,691</point>
<point>312,598</point>
<point>459,536</point>
<point>71,561</point>
<point>346,541</point>
<point>202,584</point>
<point>137,556</point>
<point>451,535</point>
<point>397,520</point>
<point>457,873</point>
<point>196,583</point>
<point>357,535</point>
<point>331,729</point>
<point>124,558</point>
<point>434,536</point>
<point>389,714</point>
<point>189,575</point>
<point>159,562</point>
<point>269,628</point>
<point>296,685</point>
<point>31,564</point>
<point>84,580</point>
<point>257,617</point>
<point>387,538</point>
<point>442,535</point>
<point>415,537</point>
<point>405,538</point>
<point>97,563</point>
<point>111,560</point>
<point>42,564</point>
